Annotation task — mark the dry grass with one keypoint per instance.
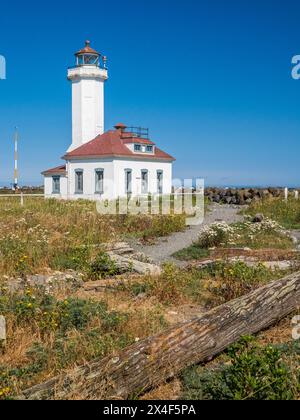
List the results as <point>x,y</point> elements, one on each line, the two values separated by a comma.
<point>287,213</point>
<point>66,234</point>
<point>46,338</point>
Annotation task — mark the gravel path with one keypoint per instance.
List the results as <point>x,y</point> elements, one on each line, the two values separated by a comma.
<point>165,247</point>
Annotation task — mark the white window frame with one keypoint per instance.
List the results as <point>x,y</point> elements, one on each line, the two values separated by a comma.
<point>160,181</point>
<point>54,189</point>
<point>145,183</point>
<point>77,172</point>
<point>100,181</point>
<point>128,185</point>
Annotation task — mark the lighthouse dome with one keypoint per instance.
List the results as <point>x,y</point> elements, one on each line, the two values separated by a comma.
<point>87,56</point>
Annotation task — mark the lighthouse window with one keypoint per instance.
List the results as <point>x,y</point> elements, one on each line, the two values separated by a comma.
<point>91,59</point>
<point>79,181</point>
<point>55,184</point>
<point>99,173</point>
<point>149,149</point>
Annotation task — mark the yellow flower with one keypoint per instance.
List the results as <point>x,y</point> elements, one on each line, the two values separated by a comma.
<point>29,305</point>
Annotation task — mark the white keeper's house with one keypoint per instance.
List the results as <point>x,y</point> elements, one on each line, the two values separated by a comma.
<point>99,164</point>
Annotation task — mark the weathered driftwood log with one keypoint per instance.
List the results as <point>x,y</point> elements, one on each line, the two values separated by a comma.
<point>155,359</point>
<point>119,248</point>
<point>127,263</point>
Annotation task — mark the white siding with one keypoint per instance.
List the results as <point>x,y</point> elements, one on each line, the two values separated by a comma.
<point>114,178</point>
<point>48,184</point>
<point>89,166</point>
<point>137,167</point>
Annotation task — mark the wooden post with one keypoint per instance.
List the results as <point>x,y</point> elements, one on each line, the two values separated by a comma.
<point>22,199</point>
<point>2,331</point>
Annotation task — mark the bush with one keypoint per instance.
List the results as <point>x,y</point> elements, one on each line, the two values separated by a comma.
<point>193,252</point>
<point>237,279</point>
<point>168,287</point>
<point>253,373</point>
<point>219,233</point>
<point>245,234</point>
<point>52,315</point>
<point>102,267</point>
<point>71,259</point>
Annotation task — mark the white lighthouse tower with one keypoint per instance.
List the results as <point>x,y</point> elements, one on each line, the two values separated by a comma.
<point>88,78</point>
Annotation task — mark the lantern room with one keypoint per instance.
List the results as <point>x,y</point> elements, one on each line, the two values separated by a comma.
<point>89,57</point>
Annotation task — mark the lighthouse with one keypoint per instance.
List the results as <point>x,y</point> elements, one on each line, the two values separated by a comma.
<point>120,162</point>
<point>87,77</point>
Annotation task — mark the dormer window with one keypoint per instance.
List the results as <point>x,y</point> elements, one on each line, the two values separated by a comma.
<point>137,148</point>
<point>149,149</point>
<point>143,148</point>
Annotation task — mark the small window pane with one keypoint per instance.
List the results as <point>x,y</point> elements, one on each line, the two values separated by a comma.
<point>99,181</point>
<point>128,182</point>
<point>160,182</point>
<point>144,182</point>
<point>149,149</point>
<point>79,182</point>
<point>56,184</point>
<point>137,147</point>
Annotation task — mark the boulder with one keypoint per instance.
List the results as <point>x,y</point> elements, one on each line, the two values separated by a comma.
<point>258,218</point>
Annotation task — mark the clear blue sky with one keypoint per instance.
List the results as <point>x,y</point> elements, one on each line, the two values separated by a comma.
<point>211,79</point>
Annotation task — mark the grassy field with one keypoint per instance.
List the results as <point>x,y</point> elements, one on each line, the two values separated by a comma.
<point>50,330</point>
<point>285,213</point>
<point>63,235</point>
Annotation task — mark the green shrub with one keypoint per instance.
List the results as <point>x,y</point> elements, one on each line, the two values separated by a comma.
<point>193,252</point>
<point>236,279</point>
<point>53,315</point>
<point>71,259</point>
<point>216,234</point>
<point>102,267</point>
<point>253,372</point>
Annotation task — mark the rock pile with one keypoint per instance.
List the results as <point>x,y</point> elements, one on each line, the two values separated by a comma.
<point>242,196</point>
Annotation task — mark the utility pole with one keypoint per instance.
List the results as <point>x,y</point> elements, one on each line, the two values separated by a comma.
<point>16,175</point>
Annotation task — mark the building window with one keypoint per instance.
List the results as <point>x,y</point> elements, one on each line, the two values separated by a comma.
<point>144,178</point>
<point>128,181</point>
<point>99,178</point>
<point>137,148</point>
<point>149,149</point>
<point>56,185</point>
<point>79,181</point>
<point>160,182</point>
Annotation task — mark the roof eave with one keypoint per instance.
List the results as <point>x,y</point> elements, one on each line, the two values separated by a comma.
<point>138,157</point>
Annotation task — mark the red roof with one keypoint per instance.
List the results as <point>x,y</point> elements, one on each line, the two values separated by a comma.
<point>87,49</point>
<point>58,170</point>
<point>113,144</point>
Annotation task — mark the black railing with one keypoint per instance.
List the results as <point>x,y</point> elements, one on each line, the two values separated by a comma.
<point>101,66</point>
<point>138,131</point>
